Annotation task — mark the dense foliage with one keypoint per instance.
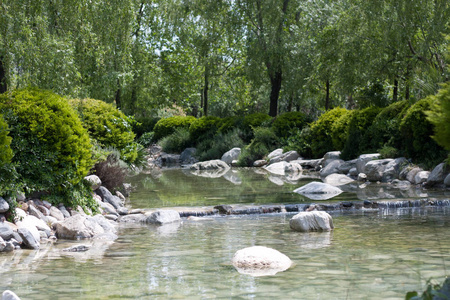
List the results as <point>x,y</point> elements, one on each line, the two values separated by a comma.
<point>5,142</point>
<point>439,116</point>
<point>287,121</point>
<point>167,126</point>
<point>52,150</point>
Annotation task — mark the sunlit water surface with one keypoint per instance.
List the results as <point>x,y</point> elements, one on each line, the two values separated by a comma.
<point>369,255</point>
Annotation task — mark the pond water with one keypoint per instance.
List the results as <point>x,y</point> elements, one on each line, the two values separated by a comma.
<point>369,255</point>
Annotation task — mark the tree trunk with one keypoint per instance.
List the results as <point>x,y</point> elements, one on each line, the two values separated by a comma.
<point>275,81</point>
<point>327,97</point>
<point>395,91</point>
<point>290,103</point>
<point>205,92</point>
<point>3,85</point>
<point>117,96</point>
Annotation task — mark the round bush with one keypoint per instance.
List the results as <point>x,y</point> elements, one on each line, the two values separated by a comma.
<point>439,116</point>
<point>255,120</point>
<point>204,126</point>
<point>416,132</point>
<point>340,130</point>
<point>52,150</point>
<point>287,121</point>
<point>360,121</point>
<point>384,130</point>
<point>144,125</point>
<point>167,126</point>
<point>105,123</point>
<point>321,130</point>
<point>5,142</point>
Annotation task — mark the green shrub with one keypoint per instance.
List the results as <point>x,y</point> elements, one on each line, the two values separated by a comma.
<point>177,141</point>
<point>230,123</point>
<point>204,127</point>
<point>167,126</point>
<point>264,141</point>
<point>360,121</point>
<point>52,150</point>
<point>146,139</point>
<point>287,121</point>
<point>214,148</point>
<point>385,127</point>
<point>144,125</point>
<point>416,132</point>
<point>5,142</point>
<point>439,116</point>
<point>340,129</point>
<point>108,126</point>
<point>300,141</point>
<point>252,121</point>
<point>321,131</point>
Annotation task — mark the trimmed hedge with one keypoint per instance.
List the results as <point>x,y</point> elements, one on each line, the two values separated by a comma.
<point>165,127</point>
<point>204,127</point>
<point>340,129</point>
<point>52,150</point>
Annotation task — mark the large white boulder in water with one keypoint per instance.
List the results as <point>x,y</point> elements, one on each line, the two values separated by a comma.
<point>318,191</point>
<point>231,155</point>
<point>210,165</point>
<point>311,221</point>
<point>260,261</point>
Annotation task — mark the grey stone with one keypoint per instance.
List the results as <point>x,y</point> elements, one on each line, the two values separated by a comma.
<point>411,176</point>
<point>46,204</point>
<point>29,222</point>
<point>77,248</point>
<point>121,196</point>
<point>362,177</point>
<point>169,159</point>
<point>16,239</point>
<point>401,184</point>
<point>103,222</point>
<point>353,172</point>
<point>56,213</point>
<point>275,153</point>
<point>216,164</point>
<point>392,170</point>
<point>311,221</point>
<point>64,211</point>
<point>318,191</point>
<point>9,247</point>
<point>44,210</point>
<point>260,261</point>
<point>374,169</point>
<point>20,197</point>
<point>162,217</point>
<point>438,175</point>
<point>2,244</point>
<point>332,155</point>
<point>331,167</point>
<point>32,210</point>
<point>94,180</point>
<point>6,232</point>
<point>122,211</point>
<point>78,227</point>
<point>259,163</point>
<point>309,163</point>
<point>133,218</point>
<point>4,206</point>
<point>231,155</point>
<point>9,295</point>
<point>283,167</point>
<point>28,238</point>
<point>345,167</point>
<point>224,209</point>
<point>287,157</point>
<point>338,179</point>
<point>447,180</point>
<point>421,177</point>
<point>187,156</point>
<point>108,197</point>
<point>363,159</point>
<point>112,217</point>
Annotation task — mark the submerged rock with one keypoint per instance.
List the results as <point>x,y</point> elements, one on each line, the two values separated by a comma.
<point>81,227</point>
<point>311,221</point>
<point>338,179</point>
<point>260,261</point>
<point>318,191</point>
<point>9,295</point>
<point>283,167</point>
<point>162,217</point>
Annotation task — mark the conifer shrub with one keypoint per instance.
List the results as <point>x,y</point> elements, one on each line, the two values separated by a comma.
<point>52,150</point>
<point>439,116</point>
<point>287,121</point>
<point>167,126</point>
<point>108,126</point>
<point>360,121</point>
<point>416,131</point>
<point>321,131</point>
<point>204,127</point>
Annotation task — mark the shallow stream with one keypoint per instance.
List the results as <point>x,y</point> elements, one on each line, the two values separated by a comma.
<point>370,254</point>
